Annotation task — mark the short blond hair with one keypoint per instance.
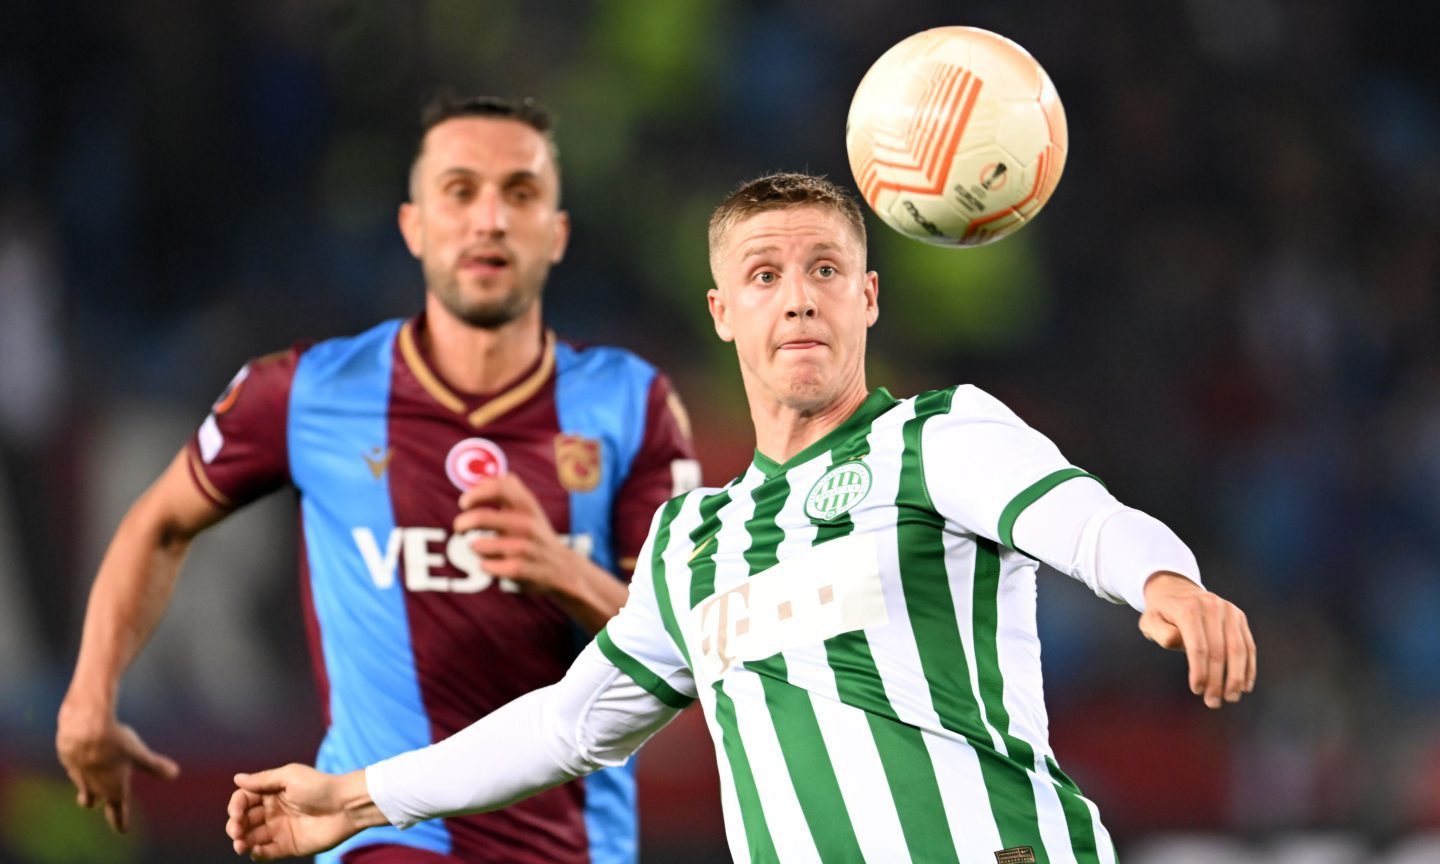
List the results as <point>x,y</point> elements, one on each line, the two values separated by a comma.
<point>779,192</point>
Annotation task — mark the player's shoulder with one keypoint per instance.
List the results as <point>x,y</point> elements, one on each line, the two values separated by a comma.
<point>341,354</point>
<point>602,362</point>
<point>962,403</point>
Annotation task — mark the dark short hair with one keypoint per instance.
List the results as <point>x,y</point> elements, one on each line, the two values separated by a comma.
<point>447,105</point>
<point>779,192</point>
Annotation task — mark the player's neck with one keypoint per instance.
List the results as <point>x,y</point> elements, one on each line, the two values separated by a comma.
<point>782,431</point>
<point>479,360</point>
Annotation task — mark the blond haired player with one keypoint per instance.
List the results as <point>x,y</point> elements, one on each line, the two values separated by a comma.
<point>855,613</point>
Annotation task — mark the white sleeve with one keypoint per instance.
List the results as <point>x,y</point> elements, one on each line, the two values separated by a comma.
<point>983,465</point>
<point>594,717</point>
<point>1082,530</point>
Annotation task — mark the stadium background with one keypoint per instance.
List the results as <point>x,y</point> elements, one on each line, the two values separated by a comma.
<point>1230,311</point>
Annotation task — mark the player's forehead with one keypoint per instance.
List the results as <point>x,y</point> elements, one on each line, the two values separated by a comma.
<point>803,229</point>
<point>486,147</point>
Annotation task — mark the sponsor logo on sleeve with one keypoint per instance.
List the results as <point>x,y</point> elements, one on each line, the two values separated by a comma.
<point>684,476</point>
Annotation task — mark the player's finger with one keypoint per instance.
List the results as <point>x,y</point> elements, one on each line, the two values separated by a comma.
<point>491,519</point>
<point>1212,614</point>
<point>1194,644</point>
<point>487,490</point>
<point>1237,664</point>
<point>117,813</point>
<point>491,546</point>
<point>154,763</point>
<point>1252,665</point>
<point>261,781</point>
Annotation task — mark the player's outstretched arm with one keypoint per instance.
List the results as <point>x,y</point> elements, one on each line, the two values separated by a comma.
<point>1212,631</point>
<point>524,548</point>
<point>296,810</point>
<point>131,591</point>
<point>595,716</point>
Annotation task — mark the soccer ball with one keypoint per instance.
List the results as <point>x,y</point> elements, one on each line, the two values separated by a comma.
<point>956,137</point>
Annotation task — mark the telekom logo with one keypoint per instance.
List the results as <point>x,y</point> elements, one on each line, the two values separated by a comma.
<point>473,460</point>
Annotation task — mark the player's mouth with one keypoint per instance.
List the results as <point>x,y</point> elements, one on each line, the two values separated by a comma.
<point>485,264</point>
<point>801,345</point>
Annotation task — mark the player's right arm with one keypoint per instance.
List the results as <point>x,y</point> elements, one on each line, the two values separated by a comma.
<point>133,587</point>
<point>237,455</point>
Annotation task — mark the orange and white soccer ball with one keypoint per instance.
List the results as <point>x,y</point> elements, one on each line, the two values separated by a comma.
<point>956,136</point>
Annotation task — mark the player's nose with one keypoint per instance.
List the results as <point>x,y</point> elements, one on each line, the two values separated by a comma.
<point>487,213</point>
<point>799,299</point>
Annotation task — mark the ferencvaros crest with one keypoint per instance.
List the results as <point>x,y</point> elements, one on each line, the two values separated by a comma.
<point>837,491</point>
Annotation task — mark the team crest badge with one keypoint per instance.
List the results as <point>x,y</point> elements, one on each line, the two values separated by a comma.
<point>473,460</point>
<point>577,461</point>
<point>838,491</point>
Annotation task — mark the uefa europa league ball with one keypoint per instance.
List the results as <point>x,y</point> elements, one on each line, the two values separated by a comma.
<point>956,137</point>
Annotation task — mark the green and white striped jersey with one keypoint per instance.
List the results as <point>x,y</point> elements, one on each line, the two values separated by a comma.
<point>861,636</point>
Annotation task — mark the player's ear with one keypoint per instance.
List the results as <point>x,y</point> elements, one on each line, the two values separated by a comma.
<point>410,228</point>
<point>561,238</point>
<point>872,298</point>
<point>719,313</point>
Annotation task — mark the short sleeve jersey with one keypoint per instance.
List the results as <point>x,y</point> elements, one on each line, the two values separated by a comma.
<point>861,635</point>
<point>412,640</point>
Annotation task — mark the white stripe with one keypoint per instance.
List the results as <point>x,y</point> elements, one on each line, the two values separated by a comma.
<point>1018,648</point>
<point>963,794</point>
<point>788,829</point>
<point>861,775</point>
<point>1103,844</point>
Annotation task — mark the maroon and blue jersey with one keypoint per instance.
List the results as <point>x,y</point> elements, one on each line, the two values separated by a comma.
<point>412,639</point>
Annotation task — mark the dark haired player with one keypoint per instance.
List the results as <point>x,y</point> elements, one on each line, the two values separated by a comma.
<point>468,485</point>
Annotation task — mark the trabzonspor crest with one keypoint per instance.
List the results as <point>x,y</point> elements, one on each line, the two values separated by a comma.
<point>473,460</point>
<point>837,491</point>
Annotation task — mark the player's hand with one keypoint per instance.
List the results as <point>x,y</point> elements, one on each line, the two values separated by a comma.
<point>1211,630</point>
<point>98,752</point>
<point>519,544</point>
<point>296,810</point>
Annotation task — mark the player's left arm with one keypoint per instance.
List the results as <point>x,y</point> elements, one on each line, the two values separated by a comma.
<point>1129,556</point>
<point>990,473</point>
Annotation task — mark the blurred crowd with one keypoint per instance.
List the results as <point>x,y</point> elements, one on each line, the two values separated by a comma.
<point>1230,311</point>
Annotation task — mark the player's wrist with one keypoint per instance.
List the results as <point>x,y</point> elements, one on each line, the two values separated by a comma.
<point>358,807</point>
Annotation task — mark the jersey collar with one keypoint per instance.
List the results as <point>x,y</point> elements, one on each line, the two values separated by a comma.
<point>877,403</point>
<point>491,407</point>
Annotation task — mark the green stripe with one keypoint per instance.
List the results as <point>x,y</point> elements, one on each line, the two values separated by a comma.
<point>812,774</point>
<point>1009,778</point>
<point>1078,818</point>
<point>653,684</point>
<point>657,576</point>
<point>1030,495</point>
<point>757,833</point>
<point>704,539</point>
<point>934,621</point>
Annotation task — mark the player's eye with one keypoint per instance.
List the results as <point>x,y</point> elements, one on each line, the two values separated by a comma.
<point>766,277</point>
<point>523,194</point>
<point>825,271</point>
<point>460,191</point>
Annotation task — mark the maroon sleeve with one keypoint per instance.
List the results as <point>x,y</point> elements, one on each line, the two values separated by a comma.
<point>664,467</point>
<point>239,453</point>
